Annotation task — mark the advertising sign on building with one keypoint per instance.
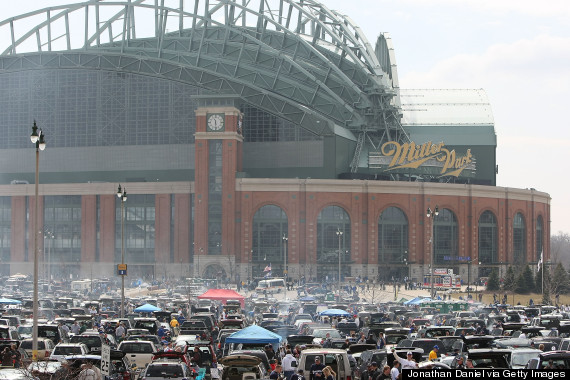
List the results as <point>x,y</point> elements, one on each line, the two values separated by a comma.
<point>431,157</point>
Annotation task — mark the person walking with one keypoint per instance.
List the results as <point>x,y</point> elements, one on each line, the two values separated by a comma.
<point>287,363</point>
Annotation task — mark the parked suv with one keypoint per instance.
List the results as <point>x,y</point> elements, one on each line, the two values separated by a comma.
<point>45,347</point>
<point>336,358</point>
<point>166,369</point>
<point>68,349</point>
<point>139,352</point>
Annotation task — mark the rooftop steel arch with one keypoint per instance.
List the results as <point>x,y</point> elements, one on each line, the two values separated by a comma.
<point>293,58</point>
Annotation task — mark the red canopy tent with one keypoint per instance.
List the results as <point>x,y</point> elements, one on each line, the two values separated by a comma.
<point>223,295</point>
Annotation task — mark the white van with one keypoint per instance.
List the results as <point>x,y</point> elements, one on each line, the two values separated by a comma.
<point>336,358</point>
<point>270,286</point>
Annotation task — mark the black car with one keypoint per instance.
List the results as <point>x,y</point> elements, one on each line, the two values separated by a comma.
<point>367,357</point>
<point>488,358</point>
<point>92,340</point>
<point>552,359</point>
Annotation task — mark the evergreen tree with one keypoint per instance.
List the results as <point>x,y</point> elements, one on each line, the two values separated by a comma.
<point>525,281</point>
<point>493,281</point>
<point>510,280</point>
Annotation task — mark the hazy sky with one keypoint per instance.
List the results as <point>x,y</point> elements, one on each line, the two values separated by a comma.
<point>518,51</point>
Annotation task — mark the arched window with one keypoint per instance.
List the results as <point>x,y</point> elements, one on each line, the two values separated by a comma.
<point>445,238</point>
<point>392,236</point>
<point>331,220</point>
<point>269,225</point>
<point>519,238</point>
<point>488,244</point>
<point>539,237</point>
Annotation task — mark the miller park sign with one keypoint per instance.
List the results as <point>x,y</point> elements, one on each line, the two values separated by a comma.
<point>427,158</point>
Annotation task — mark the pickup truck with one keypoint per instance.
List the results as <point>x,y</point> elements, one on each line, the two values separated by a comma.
<point>139,352</point>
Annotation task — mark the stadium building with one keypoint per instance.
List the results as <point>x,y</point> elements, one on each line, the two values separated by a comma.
<point>272,134</point>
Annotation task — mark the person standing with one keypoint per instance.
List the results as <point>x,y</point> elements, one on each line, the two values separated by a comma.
<point>329,373</point>
<point>433,353</point>
<point>395,371</point>
<point>287,363</point>
<point>298,375</point>
<point>276,373</point>
<point>385,375</point>
<point>316,370</point>
<point>406,363</point>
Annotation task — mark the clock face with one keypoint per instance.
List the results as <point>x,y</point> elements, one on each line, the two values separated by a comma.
<point>215,122</point>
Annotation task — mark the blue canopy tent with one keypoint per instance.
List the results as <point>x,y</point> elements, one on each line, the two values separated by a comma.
<point>254,334</point>
<point>147,308</point>
<point>335,313</point>
<point>417,301</point>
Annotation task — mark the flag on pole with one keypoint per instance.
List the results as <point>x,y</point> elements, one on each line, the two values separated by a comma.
<point>540,261</point>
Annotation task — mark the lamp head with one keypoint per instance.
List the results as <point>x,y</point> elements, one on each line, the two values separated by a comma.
<point>34,136</point>
<point>119,192</point>
<point>42,142</point>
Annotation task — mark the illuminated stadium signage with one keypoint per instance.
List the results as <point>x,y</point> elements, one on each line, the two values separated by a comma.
<point>410,155</point>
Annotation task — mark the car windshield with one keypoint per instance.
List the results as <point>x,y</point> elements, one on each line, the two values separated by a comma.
<point>23,330</point>
<point>66,350</point>
<point>164,371</point>
<point>90,341</point>
<point>521,358</point>
<point>323,333</point>
<point>136,347</point>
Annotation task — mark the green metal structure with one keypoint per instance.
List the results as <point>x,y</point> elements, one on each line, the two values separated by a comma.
<point>295,59</point>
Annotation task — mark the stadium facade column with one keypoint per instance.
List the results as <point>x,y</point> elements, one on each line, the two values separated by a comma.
<point>217,126</point>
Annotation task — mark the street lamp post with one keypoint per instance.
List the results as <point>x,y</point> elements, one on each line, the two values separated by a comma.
<point>339,234</point>
<point>285,238</point>
<point>122,195</point>
<point>432,214</point>
<point>37,138</point>
<point>50,236</point>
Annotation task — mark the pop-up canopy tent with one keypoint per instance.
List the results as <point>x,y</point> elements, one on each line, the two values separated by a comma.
<point>254,334</point>
<point>223,295</point>
<point>147,308</point>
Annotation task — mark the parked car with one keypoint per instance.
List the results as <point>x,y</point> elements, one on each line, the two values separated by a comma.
<point>166,369</point>
<point>336,358</point>
<point>63,350</point>
<point>93,340</point>
<point>559,359</point>
<point>240,367</point>
<point>45,347</point>
<point>137,351</point>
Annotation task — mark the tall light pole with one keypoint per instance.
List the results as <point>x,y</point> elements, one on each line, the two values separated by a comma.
<point>50,236</point>
<point>122,195</point>
<point>37,138</point>
<point>339,234</point>
<point>432,214</point>
<point>285,238</point>
<point>469,278</point>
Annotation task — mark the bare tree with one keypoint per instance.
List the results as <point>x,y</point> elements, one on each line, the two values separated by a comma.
<point>560,249</point>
